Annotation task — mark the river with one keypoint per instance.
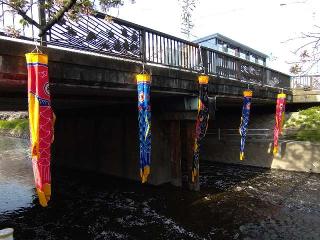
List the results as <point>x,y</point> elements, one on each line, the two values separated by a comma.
<point>235,202</point>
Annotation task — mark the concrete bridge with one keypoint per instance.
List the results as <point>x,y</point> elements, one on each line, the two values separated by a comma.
<point>94,94</point>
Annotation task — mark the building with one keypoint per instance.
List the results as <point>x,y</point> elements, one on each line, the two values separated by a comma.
<point>227,45</point>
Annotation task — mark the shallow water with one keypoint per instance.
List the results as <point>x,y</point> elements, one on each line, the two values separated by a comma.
<point>235,202</point>
<point>16,179</point>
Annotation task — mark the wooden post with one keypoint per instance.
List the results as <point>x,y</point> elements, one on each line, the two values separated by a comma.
<point>190,138</point>
<point>175,153</point>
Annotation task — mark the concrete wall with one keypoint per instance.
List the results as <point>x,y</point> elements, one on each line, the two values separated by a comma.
<point>306,96</point>
<point>293,155</point>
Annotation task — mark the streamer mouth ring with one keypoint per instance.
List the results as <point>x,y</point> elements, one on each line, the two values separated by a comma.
<point>203,79</point>
<point>143,77</point>
<point>247,93</point>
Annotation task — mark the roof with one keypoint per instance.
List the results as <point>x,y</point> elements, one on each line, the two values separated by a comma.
<point>232,42</point>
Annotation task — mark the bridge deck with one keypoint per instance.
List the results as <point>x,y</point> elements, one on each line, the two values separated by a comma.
<point>83,77</point>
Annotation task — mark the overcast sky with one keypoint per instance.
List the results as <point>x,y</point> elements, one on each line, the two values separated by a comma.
<point>261,24</point>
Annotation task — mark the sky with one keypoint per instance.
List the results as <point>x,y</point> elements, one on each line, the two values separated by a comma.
<point>264,25</point>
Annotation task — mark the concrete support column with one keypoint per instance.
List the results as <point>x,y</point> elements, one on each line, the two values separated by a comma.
<point>175,153</point>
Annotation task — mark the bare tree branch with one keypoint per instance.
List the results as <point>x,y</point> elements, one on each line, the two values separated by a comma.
<point>303,46</point>
<point>307,53</point>
<point>23,14</point>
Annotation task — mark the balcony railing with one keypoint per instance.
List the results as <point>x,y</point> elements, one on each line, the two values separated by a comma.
<point>116,37</point>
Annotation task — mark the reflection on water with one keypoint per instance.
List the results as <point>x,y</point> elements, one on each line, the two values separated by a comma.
<point>16,178</point>
<point>236,202</point>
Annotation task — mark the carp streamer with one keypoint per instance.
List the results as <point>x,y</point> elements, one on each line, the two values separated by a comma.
<point>41,121</point>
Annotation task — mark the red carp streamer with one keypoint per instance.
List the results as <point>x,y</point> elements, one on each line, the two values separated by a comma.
<point>41,121</point>
<point>280,110</point>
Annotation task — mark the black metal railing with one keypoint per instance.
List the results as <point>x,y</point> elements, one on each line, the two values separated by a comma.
<point>95,34</point>
<point>116,37</point>
<point>167,50</point>
<point>232,67</point>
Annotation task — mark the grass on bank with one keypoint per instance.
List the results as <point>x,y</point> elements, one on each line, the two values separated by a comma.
<point>16,126</point>
<point>304,125</point>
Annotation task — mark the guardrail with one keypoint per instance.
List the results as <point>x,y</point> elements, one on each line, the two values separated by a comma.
<point>116,37</point>
<point>224,134</point>
<point>266,134</point>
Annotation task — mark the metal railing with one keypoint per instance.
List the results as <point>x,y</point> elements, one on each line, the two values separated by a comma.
<point>307,82</point>
<point>294,134</point>
<point>120,38</point>
<point>252,134</point>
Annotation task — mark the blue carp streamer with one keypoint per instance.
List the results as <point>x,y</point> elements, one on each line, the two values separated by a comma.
<point>247,96</point>
<point>201,124</point>
<point>144,119</point>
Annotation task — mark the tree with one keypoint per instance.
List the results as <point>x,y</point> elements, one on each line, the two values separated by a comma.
<point>188,7</point>
<point>60,8</point>
<point>306,45</point>
<point>307,53</point>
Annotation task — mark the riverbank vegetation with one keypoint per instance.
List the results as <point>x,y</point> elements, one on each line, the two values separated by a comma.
<point>15,126</point>
<point>304,125</point>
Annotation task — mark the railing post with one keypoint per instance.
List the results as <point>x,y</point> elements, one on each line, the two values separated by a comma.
<point>143,46</point>
<point>214,62</point>
<point>205,63</point>
<point>42,21</point>
<point>267,76</point>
